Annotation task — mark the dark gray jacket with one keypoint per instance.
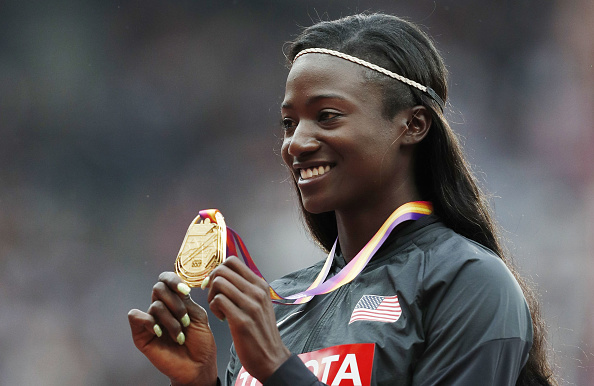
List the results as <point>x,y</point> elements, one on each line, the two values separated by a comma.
<point>462,319</point>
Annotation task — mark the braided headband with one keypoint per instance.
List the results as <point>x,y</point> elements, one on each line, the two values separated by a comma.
<point>427,90</point>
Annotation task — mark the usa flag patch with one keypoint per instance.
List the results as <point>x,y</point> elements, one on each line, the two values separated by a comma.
<point>377,308</point>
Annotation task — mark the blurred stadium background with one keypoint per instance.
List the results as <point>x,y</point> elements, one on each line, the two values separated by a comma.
<point>119,120</point>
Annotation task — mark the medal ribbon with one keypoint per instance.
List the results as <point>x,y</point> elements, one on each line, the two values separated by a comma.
<point>409,211</point>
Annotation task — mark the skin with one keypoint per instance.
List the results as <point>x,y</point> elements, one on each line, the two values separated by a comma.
<point>332,116</point>
<point>185,364</point>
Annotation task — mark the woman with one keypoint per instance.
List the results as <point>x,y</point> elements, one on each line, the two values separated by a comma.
<point>365,134</point>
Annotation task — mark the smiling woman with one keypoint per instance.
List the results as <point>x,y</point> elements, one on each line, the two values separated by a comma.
<point>333,118</point>
<point>418,289</point>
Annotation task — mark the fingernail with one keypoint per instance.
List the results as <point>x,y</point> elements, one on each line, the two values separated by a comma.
<point>205,282</point>
<point>185,320</point>
<point>181,338</point>
<point>223,319</point>
<point>157,330</point>
<point>183,288</point>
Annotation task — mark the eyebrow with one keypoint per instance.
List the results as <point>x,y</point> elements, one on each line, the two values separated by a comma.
<point>315,99</point>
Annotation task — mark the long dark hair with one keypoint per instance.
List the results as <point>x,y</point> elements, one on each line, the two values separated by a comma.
<point>441,172</point>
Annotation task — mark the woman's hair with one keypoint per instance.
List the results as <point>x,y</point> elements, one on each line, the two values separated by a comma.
<point>441,172</point>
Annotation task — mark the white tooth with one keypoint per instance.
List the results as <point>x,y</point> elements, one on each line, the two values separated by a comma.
<point>327,169</point>
<point>309,173</point>
<point>303,174</point>
<point>320,170</point>
<point>315,171</point>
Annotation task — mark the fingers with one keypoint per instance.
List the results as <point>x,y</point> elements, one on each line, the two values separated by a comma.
<point>240,275</point>
<point>241,296</point>
<point>172,307</point>
<point>166,321</point>
<point>238,266</point>
<point>182,290</point>
<point>233,286</point>
<point>196,359</point>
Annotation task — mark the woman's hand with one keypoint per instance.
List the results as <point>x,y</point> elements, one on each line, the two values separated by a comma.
<point>174,334</point>
<point>243,298</point>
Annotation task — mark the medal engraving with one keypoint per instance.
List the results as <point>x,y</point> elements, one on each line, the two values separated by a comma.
<point>202,250</point>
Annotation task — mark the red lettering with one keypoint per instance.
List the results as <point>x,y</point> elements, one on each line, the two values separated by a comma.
<point>344,365</point>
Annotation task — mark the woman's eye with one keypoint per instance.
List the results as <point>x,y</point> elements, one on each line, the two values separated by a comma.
<point>327,115</point>
<point>288,124</point>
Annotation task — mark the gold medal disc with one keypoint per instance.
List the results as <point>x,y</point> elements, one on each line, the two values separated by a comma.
<point>202,250</point>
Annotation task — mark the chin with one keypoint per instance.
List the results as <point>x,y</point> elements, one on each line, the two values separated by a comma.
<point>315,206</point>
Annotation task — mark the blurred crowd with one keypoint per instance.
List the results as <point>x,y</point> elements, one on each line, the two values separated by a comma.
<point>119,120</point>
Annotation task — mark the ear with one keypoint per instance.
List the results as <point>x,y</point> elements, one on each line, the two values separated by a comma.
<point>418,124</point>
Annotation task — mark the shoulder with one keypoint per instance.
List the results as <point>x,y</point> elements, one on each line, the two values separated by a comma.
<point>474,315</point>
<point>449,256</point>
<point>464,281</point>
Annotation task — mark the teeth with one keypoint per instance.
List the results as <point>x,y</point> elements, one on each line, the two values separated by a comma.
<point>312,172</point>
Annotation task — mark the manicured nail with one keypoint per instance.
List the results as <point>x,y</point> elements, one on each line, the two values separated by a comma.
<point>205,282</point>
<point>157,330</point>
<point>183,288</point>
<point>181,338</point>
<point>185,320</point>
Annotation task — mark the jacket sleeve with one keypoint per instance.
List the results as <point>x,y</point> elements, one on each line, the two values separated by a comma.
<point>477,325</point>
<point>294,373</point>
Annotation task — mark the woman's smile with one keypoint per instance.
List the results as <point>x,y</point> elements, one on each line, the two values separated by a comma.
<point>312,172</point>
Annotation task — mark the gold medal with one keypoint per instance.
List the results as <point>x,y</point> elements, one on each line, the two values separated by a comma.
<point>203,249</point>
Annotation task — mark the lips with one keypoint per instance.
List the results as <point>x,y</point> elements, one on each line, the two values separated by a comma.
<point>314,171</point>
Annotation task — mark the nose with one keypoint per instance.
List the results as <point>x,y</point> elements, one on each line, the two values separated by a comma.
<point>302,140</point>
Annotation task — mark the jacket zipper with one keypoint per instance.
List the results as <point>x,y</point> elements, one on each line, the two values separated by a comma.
<point>328,313</point>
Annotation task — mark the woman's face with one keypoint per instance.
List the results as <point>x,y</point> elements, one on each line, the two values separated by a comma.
<point>343,154</point>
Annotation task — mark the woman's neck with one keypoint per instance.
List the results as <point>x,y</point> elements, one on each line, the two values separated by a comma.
<point>356,228</point>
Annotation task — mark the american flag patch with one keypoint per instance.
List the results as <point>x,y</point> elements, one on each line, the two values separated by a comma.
<point>377,308</point>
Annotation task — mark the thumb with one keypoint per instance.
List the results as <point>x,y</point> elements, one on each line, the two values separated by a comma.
<point>142,326</point>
